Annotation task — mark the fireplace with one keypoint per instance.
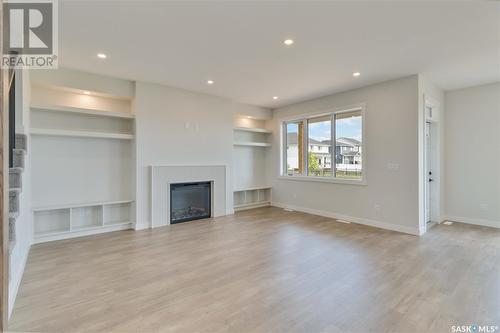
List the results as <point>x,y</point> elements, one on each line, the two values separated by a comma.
<point>190,201</point>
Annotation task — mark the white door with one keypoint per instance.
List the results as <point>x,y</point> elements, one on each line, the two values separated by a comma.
<point>428,172</point>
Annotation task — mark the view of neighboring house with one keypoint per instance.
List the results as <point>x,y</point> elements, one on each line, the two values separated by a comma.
<point>347,153</point>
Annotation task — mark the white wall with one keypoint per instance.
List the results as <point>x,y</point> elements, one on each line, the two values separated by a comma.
<point>473,155</point>
<point>177,127</point>
<point>24,222</point>
<point>390,198</point>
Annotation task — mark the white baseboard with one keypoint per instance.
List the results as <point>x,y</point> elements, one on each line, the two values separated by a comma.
<point>138,227</point>
<point>373,223</point>
<point>475,221</point>
<point>16,281</point>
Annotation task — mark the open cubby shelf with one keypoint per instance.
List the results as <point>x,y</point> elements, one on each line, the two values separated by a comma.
<point>84,123</point>
<point>251,189</point>
<point>254,144</point>
<point>254,130</point>
<point>58,108</point>
<point>253,137</point>
<point>80,134</point>
<point>82,151</point>
<point>66,220</point>
<point>252,198</point>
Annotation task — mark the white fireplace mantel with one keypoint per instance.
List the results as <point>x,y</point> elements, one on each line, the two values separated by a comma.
<point>163,176</point>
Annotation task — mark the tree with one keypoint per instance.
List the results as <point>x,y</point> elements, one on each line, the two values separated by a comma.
<point>313,164</point>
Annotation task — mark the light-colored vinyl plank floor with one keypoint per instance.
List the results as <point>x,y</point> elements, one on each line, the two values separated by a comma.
<point>263,270</point>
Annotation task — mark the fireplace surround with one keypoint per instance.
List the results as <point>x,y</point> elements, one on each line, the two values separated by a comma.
<point>190,201</point>
<point>163,176</point>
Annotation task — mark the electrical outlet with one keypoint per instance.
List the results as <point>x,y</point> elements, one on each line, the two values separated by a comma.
<point>483,207</point>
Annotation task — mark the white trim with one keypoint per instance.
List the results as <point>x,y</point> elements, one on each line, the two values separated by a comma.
<point>15,289</point>
<point>474,221</point>
<point>422,177</point>
<point>324,112</point>
<point>357,220</point>
<point>251,205</point>
<point>304,119</point>
<point>324,180</point>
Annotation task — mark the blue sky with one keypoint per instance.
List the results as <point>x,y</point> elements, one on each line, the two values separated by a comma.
<point>347,128</point>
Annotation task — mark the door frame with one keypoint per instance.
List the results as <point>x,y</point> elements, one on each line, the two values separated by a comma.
<point>4,189</point>
<point>432,117</point>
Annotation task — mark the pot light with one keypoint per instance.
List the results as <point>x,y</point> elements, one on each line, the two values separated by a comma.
<point>356,74</point>
<point>210,82</point>
<point>101,56</point>
<point>288,42</point>
<point>275,97</point>
<point>86,92</point>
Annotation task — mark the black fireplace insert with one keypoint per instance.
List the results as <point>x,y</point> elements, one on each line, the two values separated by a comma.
<point>190,201</point>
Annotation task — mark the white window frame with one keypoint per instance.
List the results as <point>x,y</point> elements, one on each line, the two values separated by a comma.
<point>304,119</point>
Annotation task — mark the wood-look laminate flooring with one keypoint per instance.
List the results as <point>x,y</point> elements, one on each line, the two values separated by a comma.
<point>263,270</point>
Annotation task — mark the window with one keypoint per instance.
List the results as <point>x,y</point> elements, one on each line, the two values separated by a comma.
<point>294,148</point>
<point>348,132</point>
<point>329,146</point>
<point>319,132</point>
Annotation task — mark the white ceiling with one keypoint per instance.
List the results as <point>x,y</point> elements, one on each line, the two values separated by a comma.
<point>240,44</point>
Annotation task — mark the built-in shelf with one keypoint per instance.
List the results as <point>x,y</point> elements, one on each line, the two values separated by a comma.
<point>78,205</point>
<point>252,197</point>
<point>103,113</point>
<point>251,205</point>
<point>252,144</point>
<point>66,221</point>
<point>252,188</point>
<point>255,130</point>
<point>80,134</point>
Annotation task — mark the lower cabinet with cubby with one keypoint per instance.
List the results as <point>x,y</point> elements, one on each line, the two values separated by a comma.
<point>68,221</point>
<point>251,198</point>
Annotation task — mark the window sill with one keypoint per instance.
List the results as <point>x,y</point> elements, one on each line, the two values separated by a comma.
<point>324,180</point>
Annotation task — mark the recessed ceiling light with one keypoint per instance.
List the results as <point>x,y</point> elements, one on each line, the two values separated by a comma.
<point>288,42</point>
<point>275,97</point>
<point>356,74</point>
<point>210,82</point>
<point>86,92</point>
<point>101,55</point>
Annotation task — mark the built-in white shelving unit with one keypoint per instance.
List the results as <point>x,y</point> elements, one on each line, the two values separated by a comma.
<point>252,137</point>
<point>80,134</point>
<point>67,221</point>
<point>253,144</point>
<point>83,164</point>
<point>250,165</point>
<point>255,130</point>
<point>58,108</point>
